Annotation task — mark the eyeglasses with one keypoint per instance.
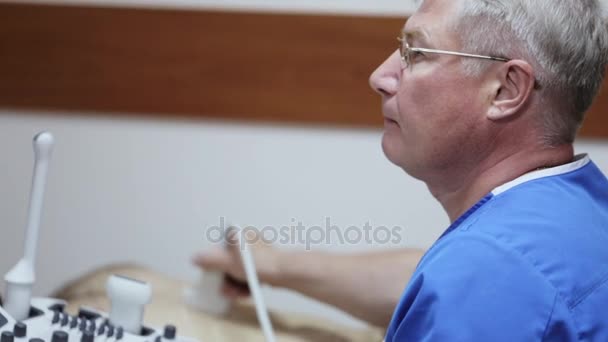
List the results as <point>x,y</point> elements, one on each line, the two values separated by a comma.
<point>408,53</point>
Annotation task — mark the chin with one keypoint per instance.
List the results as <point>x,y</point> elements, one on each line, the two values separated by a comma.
<point>392,148</point>
<point>396,153</point>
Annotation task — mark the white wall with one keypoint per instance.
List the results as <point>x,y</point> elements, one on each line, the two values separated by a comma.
<point>366,7</point>
<point>378,7</point>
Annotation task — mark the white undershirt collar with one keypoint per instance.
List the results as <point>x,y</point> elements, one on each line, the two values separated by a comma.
<point>579,161</point>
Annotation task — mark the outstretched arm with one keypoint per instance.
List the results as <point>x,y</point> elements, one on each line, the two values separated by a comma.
<point>366,285</point>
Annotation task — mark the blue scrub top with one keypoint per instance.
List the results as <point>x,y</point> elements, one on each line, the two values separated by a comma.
<point>528,262</point>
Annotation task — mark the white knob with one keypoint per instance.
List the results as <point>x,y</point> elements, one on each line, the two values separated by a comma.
<point>43,145</point>
<point>128,298</point>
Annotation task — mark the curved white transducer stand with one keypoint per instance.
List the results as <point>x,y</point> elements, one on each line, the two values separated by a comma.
<point>20,279</point>
<point>128,298</point>
<point>254,286</point>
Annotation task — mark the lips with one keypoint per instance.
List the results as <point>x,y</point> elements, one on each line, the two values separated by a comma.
<point>389,114</point>
<point>390,121</point>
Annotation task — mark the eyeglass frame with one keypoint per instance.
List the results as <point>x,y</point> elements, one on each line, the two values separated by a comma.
<point>407,60</point>
<point>403,43</point>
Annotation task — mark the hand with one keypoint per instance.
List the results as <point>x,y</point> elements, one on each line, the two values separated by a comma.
<point>228,261</point>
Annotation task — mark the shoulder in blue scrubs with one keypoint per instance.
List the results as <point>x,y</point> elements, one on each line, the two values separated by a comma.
<point>529,262</point>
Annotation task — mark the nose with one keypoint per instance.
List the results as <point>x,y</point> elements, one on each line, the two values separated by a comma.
<point>385,79</point>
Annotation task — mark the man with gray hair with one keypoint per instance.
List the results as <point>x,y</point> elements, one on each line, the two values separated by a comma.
<point>482,102</point>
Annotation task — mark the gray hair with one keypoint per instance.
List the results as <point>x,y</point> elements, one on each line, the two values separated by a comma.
<point>565,41</point>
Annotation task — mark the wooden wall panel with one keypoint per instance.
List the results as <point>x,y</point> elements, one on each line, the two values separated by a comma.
<point>596,122</point>
<point>307,69</point>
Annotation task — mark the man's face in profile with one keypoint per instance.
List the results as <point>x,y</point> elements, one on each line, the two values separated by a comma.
<point>432,109</point>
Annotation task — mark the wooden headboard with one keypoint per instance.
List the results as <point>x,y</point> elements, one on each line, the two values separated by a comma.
<point>191,64</point>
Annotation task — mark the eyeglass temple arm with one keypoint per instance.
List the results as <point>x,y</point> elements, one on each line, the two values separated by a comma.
<point>462,54</point>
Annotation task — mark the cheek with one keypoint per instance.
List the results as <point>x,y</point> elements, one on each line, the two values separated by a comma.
<point>419,103</point>
<point>426,99</point>
<point>435,113</point>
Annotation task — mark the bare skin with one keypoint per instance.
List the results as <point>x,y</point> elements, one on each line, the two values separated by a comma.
<point>356,283</point>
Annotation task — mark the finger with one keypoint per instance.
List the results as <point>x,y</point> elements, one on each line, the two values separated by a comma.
<point>232,292</point>
<point>229,292</point>
<point>216,259</point>
<point>236,283</point>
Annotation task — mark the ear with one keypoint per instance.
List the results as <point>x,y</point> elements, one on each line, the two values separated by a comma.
<point>515,84</point>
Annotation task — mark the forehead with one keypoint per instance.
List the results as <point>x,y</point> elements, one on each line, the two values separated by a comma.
<point>432,21</point>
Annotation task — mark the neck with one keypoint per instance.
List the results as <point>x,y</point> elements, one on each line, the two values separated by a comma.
<point>468,186</point>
